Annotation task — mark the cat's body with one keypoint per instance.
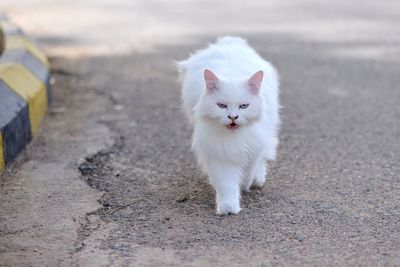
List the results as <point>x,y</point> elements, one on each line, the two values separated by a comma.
<point>230,95</point>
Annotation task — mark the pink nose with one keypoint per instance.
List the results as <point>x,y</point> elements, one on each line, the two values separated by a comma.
<point>233,117</point>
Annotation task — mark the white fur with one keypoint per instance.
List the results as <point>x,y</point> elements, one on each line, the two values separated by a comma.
<point>232,159</point>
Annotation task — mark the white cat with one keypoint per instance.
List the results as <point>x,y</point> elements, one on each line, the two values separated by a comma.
<point>231,97</point>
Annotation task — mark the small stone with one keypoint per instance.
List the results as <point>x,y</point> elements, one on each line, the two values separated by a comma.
<point>80,161</point>
<point>118,107</point>
<point>57,110</point>
<point>183,198</point>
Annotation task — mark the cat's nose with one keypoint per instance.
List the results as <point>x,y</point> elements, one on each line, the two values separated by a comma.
<point>233,117</point>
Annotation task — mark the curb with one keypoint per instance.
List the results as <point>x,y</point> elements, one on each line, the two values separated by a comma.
<point>24,91</point>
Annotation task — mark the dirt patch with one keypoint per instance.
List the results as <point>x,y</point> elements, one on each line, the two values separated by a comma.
<point>43,200</point>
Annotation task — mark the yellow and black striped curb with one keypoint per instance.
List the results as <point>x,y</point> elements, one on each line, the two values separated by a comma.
<point>24,91</point>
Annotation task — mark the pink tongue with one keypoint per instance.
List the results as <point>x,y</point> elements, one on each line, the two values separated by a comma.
<point>232,125</point>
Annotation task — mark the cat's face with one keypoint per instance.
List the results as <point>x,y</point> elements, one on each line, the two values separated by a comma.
<point>232,104</point>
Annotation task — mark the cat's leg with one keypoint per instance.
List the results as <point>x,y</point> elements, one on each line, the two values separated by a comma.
<point>225,178</point>
<point>269,153</point>
<point>248,177</point>
<point>260,173</point>
<point>255,174</point>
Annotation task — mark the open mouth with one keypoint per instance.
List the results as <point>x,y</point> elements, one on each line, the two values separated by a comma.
<point>232,126</point>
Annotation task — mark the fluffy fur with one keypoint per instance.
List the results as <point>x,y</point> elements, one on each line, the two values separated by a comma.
<point>232,141</point>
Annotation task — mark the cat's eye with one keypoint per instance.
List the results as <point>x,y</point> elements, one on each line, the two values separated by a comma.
<point>243,106</point>
<point>222,105</point>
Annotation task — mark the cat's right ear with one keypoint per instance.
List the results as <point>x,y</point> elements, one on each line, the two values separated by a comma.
<point>255,82</point>
<point>211,81</point>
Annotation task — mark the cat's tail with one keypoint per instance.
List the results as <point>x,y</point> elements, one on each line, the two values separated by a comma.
<point>231,40</point>
<point>184,65</point>
<point>181,66</point>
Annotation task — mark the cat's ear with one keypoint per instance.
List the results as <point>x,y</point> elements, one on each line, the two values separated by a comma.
<point>211,81</point>
<point>255,82</point>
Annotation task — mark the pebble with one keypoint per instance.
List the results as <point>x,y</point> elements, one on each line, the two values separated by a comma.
<point>183,198</point>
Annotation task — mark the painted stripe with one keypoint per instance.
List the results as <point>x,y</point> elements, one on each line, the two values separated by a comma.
<point>28,60</point>
<point>18,42</point>
<point>2,163</point>
<point>32,90</point>
<point>24,91</point>
<point>14,122</point>
<point>10,104</point>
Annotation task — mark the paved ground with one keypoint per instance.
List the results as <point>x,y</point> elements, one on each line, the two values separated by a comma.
<point>110,179</point>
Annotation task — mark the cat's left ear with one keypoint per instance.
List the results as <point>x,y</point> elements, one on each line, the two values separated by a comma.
<point>255,82</point>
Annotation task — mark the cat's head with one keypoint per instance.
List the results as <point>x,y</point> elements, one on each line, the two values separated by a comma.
<point>231,104</point>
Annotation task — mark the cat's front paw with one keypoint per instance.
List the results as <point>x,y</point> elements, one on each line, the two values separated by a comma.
<point>228,208</point>
<point>259,181</point>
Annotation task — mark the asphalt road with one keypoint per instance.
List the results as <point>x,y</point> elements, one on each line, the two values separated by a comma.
<point>111,180</point>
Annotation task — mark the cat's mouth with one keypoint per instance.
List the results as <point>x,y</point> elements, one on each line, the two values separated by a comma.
<point>232,126</point>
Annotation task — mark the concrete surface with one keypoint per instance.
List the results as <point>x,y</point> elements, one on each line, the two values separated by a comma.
<point>24,91</point>
<point>110,180</point>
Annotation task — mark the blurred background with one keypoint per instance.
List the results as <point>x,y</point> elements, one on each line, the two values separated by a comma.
<point>96,27</point>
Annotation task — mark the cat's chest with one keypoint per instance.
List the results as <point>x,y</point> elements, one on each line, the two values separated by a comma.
<point>240,144</point>
<point>237,147</point>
